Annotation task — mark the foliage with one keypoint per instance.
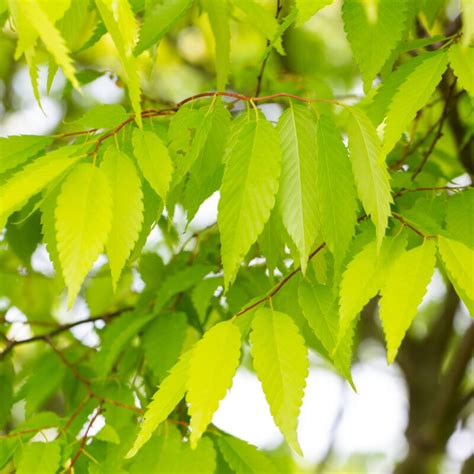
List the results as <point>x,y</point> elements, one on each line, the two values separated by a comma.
<point>310,227</point>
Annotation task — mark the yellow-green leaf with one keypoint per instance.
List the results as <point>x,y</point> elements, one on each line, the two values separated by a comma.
<point>459,261</point>
<point>153,160</point>
<point>213,363</point>
<point>297,197</point>
<point>34,177</point>
<point>248,191</point>
<point>171,391</point>
<point>462,62</point>
<point>369,168</point>
<point>281,361</point>
<point>127,198</point>
<point>403,292</point>
<point>83,220</point>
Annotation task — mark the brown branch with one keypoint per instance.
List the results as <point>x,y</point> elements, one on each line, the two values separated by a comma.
<point>16,434</point>
<point>434,188</point>
<point>62,328</point>
<point>400,218</point>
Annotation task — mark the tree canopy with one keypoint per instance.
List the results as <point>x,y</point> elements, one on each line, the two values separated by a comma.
<point>338,137</point>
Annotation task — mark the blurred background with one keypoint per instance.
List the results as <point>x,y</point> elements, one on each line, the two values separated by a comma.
<point>340,430</point>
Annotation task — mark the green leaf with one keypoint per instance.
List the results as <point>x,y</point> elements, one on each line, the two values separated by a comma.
<point>159,19</point>
<point>248,191</point>
<point>458,226</point>
<point>320,309</point>
<point>7,378</point>
<point>127,209</point>
<point>467,9</point>
<point>50,36</point>
<point>199,460</point>
<point>153,160</point>
<point>219,17</point>
<point>214,360</point>
<point>103,116</point>
<point>412,95</point>
<point>272,241</point>
<point>373,29</point>
<point>34,177</point>
<point>462,63</point>
<point>309,8</point>
<point>281,362</point>
<point>369,168</point>
<point>171,391</point>
<point>335,188</point>
<point>244,458</point>
<point>459,261</point>
<point>363,278</point>
<point>202,294</point>
<point>120,21</point>
<point>297,195</point>
<point>163,341</point>
<point>83,221</point>
<point>15,150</point>
<point>117,335</point>
<point>403,291</point>
<point>39,457</point>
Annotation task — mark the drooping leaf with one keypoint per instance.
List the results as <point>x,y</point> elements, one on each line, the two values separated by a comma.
<point>467,9</point>
<point>462,63</point>
<point>336,195</point>
<point>412,95</point>
<point>403,291</point>
<point>34,177</point>
<point>170,392</point>
<point>117,335</point>
<point>320,308</point>
<point>369,168</point>
<point>159,19</point>
<point>213,363</point>
<point>458,226</point>
<point>297,196</point>
<point>127,209</point>
<point>39,457</point>
<point>163,341</point>
<point>244,458</point>
<point>459,261</point>
<point>103,116</point>
<point>364,276</point>
<point>153,160</point>
<point>15,150</point>
<point>248,191</point>
<point>309,8</point>
<point>202,294</point>
<point>219,17</point>
<point>83,221</point>
<point>281,362</point>
<point>272,240</point>
<point>7,379</point>
<point>373,30</point>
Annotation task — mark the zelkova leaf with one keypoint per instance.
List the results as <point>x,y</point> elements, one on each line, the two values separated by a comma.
<point>297,197</point>
<point>308,8</point>
<point>50,36</point>
<point>244,458</point>
<point>320,309</point>
<point>15,150</point>
<point>363,278</point>
<point>83,221</point>
<point>335,188</point>
<point>154,161</point>
<point>412,95</point>
<point>159,19</point>
<point>127,209</point>
<point>248,191</point>
<point>34,177</point>
<point>458,226</point>
<point>281,361</point>
<point>170,392</point>
<point>462,62</point>
<point>403,291</point>
<point>373,29</point>
<point>459,261</point>
<point>369,168</point>
<point>467,8</point>
<point>219,17</point>
<point>213,363</point>
<point>43,458</point>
